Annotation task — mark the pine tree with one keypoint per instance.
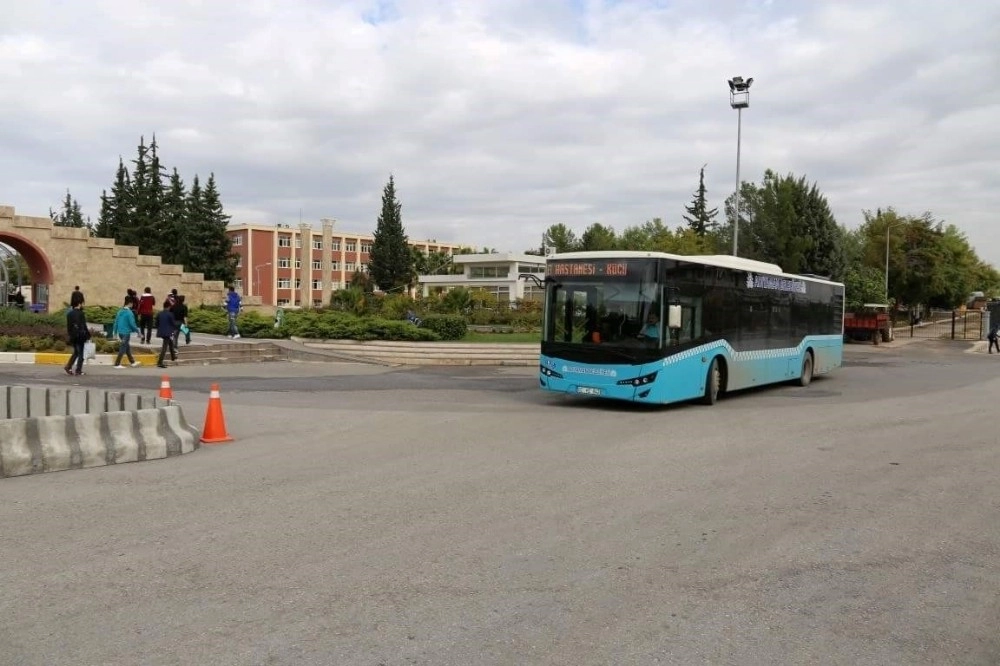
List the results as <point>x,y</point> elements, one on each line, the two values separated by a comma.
<point>115,212</point>
<point>137,230</point>
<point>217,248</point>
<point>155,242</point>
<point>194,228</point>
<point>390,263</point>
<point>176,245</point>
<point>70,214</point>
<point>701,220</point>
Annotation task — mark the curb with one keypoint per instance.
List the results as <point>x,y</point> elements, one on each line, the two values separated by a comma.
<point>59,358</point>
<point>50,430</point>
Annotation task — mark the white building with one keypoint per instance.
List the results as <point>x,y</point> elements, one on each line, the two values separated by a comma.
<point>494,273</point>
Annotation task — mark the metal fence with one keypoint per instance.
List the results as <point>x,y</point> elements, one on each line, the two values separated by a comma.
<point>945,325</point>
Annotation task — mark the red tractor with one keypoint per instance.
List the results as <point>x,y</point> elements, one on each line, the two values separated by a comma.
<point>871,322</point>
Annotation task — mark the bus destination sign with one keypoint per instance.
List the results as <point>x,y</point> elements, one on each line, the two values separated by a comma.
<point>609,268</point>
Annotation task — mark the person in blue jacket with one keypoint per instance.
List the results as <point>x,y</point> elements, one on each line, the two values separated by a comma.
<point>124,326</point>
<point>165,331</point>
<point>233,306</point>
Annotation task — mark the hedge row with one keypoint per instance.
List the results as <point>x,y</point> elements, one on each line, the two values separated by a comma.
<point>314,324</point>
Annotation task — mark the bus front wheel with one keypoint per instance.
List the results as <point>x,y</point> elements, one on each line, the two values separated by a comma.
<point>807,370</point>
<point>713,383</point>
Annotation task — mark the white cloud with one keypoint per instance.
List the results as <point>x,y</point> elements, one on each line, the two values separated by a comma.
<point>501,117</point>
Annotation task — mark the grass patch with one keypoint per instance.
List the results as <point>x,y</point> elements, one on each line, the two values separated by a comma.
<point>535,337</point>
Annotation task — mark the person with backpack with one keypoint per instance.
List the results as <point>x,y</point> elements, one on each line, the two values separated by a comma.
<point>994,336</point>
<point>165,331</point>
<point>146,304</point>
<point>233,306</point>
<point>77,333</point>
<point>124,327</point>
<point>180,312</point>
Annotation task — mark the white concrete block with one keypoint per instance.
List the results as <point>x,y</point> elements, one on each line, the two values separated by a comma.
<point>131,402</point>
<point>76,402</point>
<point>57,454</point>
<point>179,426</point>
<point>15,454</point>
<point>58,402</point>
<point>149,434</point>
<point>97,401</point>
<point>18,402</point>
<point>123,443</point>
<point>116,401</point>
<point>4,397</point>
<point>93,448</point>
<point>38,401</point>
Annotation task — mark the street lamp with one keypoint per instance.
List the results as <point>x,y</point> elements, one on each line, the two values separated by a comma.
<point>739,99</point>
<point>257,270</point>
<point>888,228</point>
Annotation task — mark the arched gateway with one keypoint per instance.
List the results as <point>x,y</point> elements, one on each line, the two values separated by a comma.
<point>59,258</point>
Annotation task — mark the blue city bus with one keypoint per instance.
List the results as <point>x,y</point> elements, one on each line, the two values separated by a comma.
<point>659,328</point>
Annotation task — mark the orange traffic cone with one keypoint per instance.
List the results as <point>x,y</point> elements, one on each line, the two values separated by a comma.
<point>166,392</point>
<point>215,423</point>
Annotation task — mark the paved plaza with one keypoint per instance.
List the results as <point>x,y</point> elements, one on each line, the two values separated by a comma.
<point>373,515</point>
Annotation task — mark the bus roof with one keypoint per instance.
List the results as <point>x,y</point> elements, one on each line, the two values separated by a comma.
<point>719,260</point>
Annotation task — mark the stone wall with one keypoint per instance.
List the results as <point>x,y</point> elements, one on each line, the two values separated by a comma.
<point>103,269</point>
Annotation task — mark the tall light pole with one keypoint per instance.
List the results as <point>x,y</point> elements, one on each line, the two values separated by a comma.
<point>257,270</point>
<point>888,228</point>
<point>739,99</point>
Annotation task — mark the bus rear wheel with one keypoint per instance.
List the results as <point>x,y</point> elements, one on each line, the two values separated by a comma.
<point>807,370</point>
<point>713,384</point>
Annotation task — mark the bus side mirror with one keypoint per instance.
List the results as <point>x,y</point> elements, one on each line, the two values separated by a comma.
<point>673,316</point>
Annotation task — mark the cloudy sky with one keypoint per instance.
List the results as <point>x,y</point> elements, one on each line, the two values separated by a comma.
<point>499,118</point>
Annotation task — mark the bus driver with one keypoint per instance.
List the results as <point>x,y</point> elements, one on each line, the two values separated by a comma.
<point>651,331</point>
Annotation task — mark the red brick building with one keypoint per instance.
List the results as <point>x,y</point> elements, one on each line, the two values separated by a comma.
<point>286,265</point>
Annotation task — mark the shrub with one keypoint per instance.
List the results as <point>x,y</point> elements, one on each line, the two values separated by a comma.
<point>448,327</point>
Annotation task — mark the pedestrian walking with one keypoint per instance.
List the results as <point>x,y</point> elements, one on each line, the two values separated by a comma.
<point>233,306</point>
<point>124,326</point>
<point>76,298</point>
<point>165,331</point>
<point>994,337</point>
<point>146,315</point>
<point>170,299</point>
<point>77,334</point>
<point>180,312</point>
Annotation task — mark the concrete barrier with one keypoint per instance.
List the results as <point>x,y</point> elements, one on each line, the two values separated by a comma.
<point>52,429</point>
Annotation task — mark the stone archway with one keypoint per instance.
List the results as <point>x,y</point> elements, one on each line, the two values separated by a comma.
<point>39,275</point>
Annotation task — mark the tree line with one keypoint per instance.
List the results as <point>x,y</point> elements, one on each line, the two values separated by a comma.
<point>787,221</point>
<point>160,215</point>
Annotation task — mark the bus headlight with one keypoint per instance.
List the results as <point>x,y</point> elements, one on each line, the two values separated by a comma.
<point>549,372</point>
<point>639,381</point>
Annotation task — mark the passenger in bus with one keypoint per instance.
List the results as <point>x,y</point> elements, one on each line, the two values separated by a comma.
<point>651,332</point>
<point>592,332</point>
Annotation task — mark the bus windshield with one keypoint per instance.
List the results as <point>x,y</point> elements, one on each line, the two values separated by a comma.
<point>614,303</point>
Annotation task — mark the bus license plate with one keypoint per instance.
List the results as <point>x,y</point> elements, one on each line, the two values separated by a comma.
<point>586,390</point>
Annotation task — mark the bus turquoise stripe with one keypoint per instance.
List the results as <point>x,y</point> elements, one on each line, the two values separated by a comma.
<point>682,376</point>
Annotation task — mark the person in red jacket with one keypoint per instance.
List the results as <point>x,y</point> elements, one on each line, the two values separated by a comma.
<point>147,302</point>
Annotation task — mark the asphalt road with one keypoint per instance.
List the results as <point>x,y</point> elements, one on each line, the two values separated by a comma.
<point>367,515</point>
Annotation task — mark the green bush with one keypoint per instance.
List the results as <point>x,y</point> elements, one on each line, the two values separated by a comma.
<point>100,314</point>
<point>448,327</point>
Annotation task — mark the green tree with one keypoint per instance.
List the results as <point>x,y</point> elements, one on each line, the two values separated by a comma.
<point>699,218</point>
<point>149,205</point>
<point>786,221</point>
<point>560,238</point>
<point>177,245</point>
<point>116,208</point>
<point>211,250</point>
<point>138,231</point>
<point>390,262</point>
<point>598,237</point>
<point>70,215</point>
